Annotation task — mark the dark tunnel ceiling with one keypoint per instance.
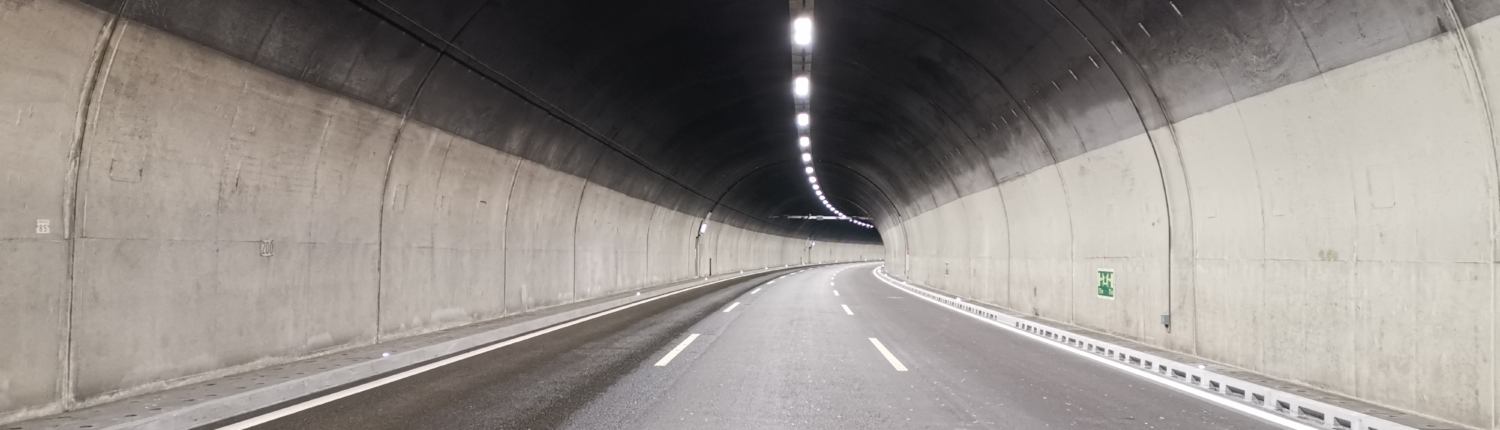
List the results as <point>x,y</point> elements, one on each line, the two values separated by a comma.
<point>687,102</point>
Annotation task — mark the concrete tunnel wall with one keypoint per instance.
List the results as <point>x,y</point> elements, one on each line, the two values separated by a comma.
<point>208,217</point>
<point>1338,231</point>
<point>1308,187</point>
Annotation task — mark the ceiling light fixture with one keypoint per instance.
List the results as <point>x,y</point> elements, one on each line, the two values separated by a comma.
<point>802,31</point>
<point>802,35</point>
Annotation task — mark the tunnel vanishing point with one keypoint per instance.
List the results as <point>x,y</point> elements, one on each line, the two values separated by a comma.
<point>1301,191</point>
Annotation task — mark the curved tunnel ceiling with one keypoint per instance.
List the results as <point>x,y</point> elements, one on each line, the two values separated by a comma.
<point>687,103</point>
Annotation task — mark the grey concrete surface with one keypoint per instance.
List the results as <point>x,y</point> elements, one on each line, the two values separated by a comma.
<point>41,79</point>
<point>438,256</point>
<point>208,217</point>
<point>786,356</point>
<point>1337,233</point>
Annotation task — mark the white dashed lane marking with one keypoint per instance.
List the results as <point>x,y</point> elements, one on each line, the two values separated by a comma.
<point>678,350</point>
<point>887,353</point>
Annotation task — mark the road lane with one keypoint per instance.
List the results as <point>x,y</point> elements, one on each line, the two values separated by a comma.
<point>1015,382</point>
<point>793,353</point>
<point>538,383</point>
<point>797,359</point>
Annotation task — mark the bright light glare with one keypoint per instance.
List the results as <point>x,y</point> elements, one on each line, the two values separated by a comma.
<point>813,179</point>
<point>801,86</point>
<point>806,157</point>
<point>809,170</point>
<point>804,142</point>
<point>815,187</point>
<point>802,31</point>
<point>803,119</point>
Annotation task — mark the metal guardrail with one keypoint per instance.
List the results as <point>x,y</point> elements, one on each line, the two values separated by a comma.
<point>1303,409</point>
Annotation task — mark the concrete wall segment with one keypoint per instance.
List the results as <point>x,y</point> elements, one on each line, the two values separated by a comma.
<point>1341,218</point>
<point>48,62</point>
<point>264,219</point>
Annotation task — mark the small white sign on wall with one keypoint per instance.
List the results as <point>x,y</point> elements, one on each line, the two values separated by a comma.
<point>43,226</point>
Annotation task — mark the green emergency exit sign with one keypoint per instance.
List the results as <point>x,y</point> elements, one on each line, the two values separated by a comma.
<point>1107,284</point>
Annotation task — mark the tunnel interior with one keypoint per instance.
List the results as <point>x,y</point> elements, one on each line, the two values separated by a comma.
<point>1264,178</point>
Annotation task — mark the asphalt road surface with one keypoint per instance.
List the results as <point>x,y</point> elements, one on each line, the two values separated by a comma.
<point>825,348</point>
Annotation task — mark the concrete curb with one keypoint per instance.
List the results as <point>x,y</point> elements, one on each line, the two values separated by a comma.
<point>212,401</point>
<point>1303,407</point>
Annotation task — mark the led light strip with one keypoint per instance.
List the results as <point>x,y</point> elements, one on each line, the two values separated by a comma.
<point>802,38</point>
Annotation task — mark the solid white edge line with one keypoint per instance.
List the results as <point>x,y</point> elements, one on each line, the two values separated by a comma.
<point>731,307</point>
<point>677,350</point>
<point>888,356</point>
<point>846,310</point>
<point>289,410</point>
<point>1204,395</point>
<point>757,290</point>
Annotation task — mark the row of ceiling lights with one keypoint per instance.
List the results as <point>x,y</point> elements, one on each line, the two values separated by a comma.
<point>802,29</point>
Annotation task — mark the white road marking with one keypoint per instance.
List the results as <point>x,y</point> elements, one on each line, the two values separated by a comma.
<point>731,307</point>
<point>846,310</point>
<point>757,290</point>
<point>677,350</point>
<point>289,410</point>
<point>1208,396</point>
<point>888,356</point>
<point>835,292</point>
